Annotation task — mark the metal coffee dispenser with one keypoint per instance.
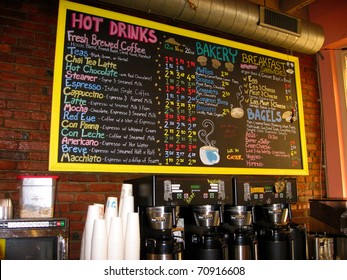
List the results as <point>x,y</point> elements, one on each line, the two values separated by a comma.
<point>242,240</point>
<point>159,243</point>
<point>180,216</point>
<point>204,240</point>
<point>277,237</point>
<point>328,229</point>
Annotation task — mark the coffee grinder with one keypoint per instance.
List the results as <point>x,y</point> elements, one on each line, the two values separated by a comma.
<point>277,237</point>
<point>179,213</point>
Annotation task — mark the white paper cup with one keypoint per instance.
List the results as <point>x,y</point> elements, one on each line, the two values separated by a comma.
<point>132,226</point>
<point>127,190</point>
<point>92,214</point>
<point>111,206</point>
<point>116,230</point>
<point>132,237</point>
<point>101,210</point>
<point>99,240</point>
<point>83,245</point>
<point>115,246</point>
<point>111,210</point>
<point>128,207</point>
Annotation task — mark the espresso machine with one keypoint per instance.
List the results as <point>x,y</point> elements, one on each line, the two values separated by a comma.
<point>271,198</point>
<point>180,216</point>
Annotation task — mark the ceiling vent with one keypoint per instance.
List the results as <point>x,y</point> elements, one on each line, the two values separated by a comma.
<point>280,22</point>
<point>237,17</point>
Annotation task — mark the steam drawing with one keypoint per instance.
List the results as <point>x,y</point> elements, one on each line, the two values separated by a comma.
<point>204,136</point>
<point>209,154</point>
<point>238,112</point>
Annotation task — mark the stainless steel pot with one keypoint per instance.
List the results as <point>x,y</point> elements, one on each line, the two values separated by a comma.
<point>207,215</point>
<point>162,217</point>
<point>238,215</point>
<point>276,214</point>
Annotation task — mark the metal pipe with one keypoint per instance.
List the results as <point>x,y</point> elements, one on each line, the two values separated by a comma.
<point>237,17</point>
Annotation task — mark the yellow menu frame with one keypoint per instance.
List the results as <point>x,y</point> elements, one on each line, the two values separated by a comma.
<point>54,165</point>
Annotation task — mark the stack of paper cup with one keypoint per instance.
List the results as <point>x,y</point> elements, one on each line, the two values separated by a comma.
<point>99,240</point>
<point>92,214</point>
<point>115,246</point>
<point>111,210</point>
<point>83,246</point>
<point>101,210</point>
<point>132,237</point>
<point>128,207</point>
<point>127,190</point>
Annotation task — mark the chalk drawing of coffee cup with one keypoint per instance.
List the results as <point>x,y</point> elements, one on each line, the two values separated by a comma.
<point>209,155</point>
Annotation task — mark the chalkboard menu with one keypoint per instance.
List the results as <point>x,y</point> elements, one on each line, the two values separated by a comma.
<point>132,95</point>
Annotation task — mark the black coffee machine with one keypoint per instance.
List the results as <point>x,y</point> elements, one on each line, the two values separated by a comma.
<point>271,198</point>
<point>194,204</point>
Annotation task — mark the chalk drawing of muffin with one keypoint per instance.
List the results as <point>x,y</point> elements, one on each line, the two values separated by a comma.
<point>216,63</point>
<point>202,60</point>
<point>229,66</point>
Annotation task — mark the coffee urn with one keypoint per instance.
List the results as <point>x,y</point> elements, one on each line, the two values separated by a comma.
<point>158,241</point>
<point>274,237</point>
<point>180,216</point>
<point>203,238</point>
<point>242,240</point>
<point>271,198</point>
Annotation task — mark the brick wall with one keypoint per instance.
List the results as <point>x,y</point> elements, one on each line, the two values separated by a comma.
<point>27,44</point>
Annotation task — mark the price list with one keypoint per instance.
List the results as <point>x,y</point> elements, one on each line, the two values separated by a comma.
<point>131,94</point>
<point>179,126</point>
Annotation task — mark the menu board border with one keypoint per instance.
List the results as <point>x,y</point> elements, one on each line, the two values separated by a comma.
<point>54,165</point>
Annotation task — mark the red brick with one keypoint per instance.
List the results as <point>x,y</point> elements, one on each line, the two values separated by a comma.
<point>65,197</point>
<point>102,187</point>
<point>79,207</point>
<point>38,156</point>
<point>33,166</point>
<point>79,177</point>
<point>5,48</point>
<point>91,197</point>
<point>7,165</point>
<point>20,124</point>
<point>72,187</point>
<point>9,145</point>
<point>22,115</point>
<point>6,114</point>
